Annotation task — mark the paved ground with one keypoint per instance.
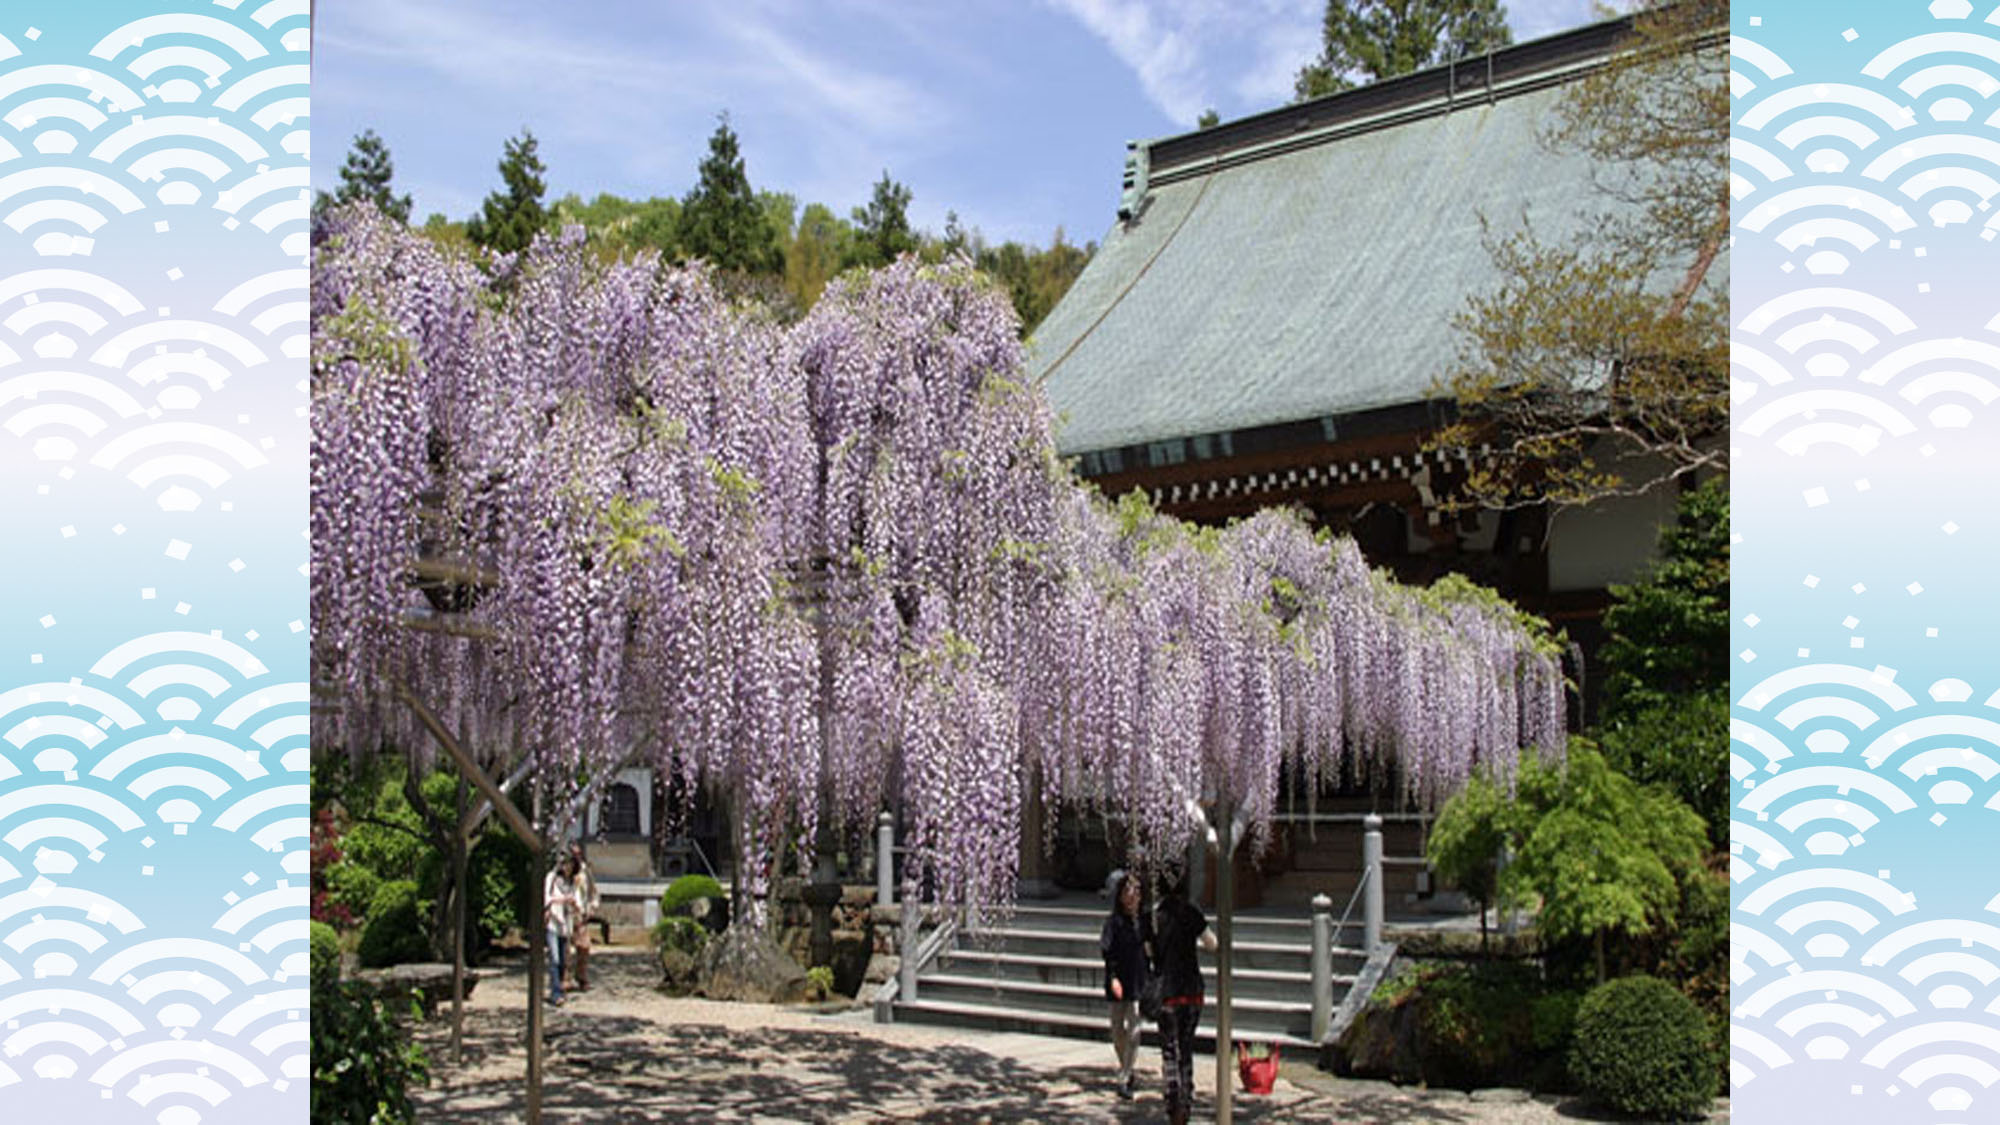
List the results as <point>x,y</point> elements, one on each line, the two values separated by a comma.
<point>625,1052</point>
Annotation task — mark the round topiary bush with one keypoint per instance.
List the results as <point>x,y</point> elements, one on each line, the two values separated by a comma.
<point>1641,1047</point>
<point>394,933</point>
<point>683,891</point>
<point>325,954</point>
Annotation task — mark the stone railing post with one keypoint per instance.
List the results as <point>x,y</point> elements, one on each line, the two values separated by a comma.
<point>906,969</point>
<point>885,859</point>
<point>1322,966</point>
<point>1371,872</point>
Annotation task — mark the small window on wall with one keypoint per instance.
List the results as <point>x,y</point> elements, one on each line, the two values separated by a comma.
<point>621,811</point>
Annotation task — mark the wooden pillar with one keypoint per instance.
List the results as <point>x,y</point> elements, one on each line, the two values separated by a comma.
<point>1225,910</point>
<point>538,942</point>
<point>459,871</point>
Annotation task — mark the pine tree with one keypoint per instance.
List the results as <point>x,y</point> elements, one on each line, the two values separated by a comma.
<point>1369,40</point>
<point>883,227</point>
<point>721,219</point>
<point>508,221</point>
<point>366,175</point>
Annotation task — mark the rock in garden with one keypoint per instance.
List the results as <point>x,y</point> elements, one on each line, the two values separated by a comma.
<point>745,965</point>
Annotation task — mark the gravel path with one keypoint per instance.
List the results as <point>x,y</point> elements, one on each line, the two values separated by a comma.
<point>623,1051</point>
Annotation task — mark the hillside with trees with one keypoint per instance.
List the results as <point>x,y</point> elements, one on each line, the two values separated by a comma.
<point>764,246</point>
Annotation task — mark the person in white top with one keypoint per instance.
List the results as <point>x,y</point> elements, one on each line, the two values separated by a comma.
<point>559,916</point>
<point>587,903</point>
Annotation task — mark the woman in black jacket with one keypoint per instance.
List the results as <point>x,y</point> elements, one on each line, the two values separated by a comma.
<point>1179,928</point>
<point>1124,951</point>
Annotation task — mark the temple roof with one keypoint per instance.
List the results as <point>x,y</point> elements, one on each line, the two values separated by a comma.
<point>1307,262</point>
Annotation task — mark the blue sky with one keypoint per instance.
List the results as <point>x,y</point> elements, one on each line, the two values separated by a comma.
<point>1014,113</point>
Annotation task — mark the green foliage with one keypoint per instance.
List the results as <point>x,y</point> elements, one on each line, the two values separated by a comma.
<point>1598,852</point>
<point>1682,746</point>
<point>366,175</point>
<point>324,953</point>
<point>679,933</point>
<point>363,1059</point>
<point>394,932</point>
<point>721,219</point>
<point>683,891</point>
<point>1597,365</point>
<point>1209,119</point>
<point>1034,279</point>
<point>508,221</point>
<point>882,229</point>
<point>1668,634</point>
<point>1366,41</point>
<point>1643,1048</point>
<point>819,981</point>
<point>352,885</point>
<point>1665,714</point>
<point>1494,1023</point>
<point>497,870</point>
<point>1465,841</point>
<point>1553,1016</point>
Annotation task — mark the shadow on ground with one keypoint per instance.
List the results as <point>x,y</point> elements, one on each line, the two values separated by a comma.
<point>607,1066</point>
<point>617,1068</point>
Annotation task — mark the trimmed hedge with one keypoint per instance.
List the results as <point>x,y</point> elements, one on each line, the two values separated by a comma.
<point>1643,1048</point>
<point>394,931</point>
<point>682,892</point>
<point>325,954</point>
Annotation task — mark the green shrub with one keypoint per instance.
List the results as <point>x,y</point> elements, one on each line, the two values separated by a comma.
<point>684,935</point>
<point>1554,1018</point>
<point>1643,1048</point>
<point>819,981</point>
<point>325,955</point>
<point>683,891</point>
<point>497,871</point>
<point>394,931</point>
<point>363,1061</point>
<point>352,885</point>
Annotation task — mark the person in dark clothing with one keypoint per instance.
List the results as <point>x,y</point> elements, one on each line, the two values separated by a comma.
<point>1124,950</point>
<point>1178,929</point>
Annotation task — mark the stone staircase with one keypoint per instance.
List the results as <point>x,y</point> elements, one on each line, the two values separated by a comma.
<point>1040,972</point>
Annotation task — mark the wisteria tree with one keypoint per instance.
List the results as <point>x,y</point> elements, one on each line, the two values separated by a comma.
<point>575,511</point>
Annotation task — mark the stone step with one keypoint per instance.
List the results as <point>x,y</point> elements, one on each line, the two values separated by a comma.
<point>996,1018</point>
<point>1061,944</point>
<point>1089,972</point>
<point>1253,1016</point>
<point>1269,929</point>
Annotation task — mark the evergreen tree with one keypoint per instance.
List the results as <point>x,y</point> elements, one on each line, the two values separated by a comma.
<point>1368,40</point>
<point>721,219</point>
<point>883,227</point>
<point>508,222</point>
<point>366,175</point>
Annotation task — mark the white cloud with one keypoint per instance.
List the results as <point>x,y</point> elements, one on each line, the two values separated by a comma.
<point>1241,57</point>
<point>1187,54</point>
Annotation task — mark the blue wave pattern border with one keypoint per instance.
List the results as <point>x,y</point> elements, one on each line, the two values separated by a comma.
<point>1865,733</point>
<point>153,442</point>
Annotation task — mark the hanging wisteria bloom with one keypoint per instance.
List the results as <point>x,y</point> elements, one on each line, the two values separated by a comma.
<point>596,513</point>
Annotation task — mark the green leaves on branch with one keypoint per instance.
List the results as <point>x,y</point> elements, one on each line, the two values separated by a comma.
<point>1593,851</point>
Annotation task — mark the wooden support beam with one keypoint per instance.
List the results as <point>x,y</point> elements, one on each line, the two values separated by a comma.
<point>470,769</point>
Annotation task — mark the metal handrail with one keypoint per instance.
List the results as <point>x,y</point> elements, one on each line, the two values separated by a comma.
<point>1366,874</point>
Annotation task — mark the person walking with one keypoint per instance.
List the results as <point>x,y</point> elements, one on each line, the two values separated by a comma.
<point>1124,951</point>
<point>587,904</point>
<point>1178,929</point>
<point>559,917</point>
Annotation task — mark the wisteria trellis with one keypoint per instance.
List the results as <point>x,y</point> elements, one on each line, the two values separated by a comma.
<point>670,516</point>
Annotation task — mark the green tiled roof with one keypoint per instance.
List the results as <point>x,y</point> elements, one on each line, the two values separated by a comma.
<point>1277,278</point>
